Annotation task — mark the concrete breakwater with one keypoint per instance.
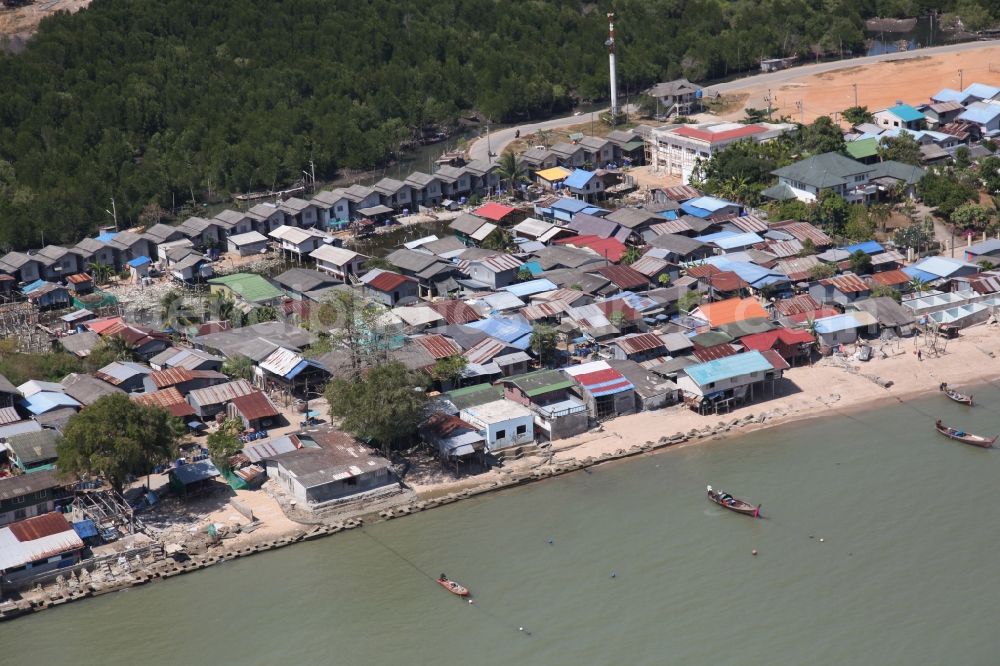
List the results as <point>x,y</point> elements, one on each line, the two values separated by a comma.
<point>163,567</point>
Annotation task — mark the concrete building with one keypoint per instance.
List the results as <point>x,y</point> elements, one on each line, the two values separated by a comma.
<point>35,546</point>
<point>678,151</point>
<point>503,423</point>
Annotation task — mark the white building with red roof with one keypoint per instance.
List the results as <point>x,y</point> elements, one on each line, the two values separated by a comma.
<point>677,151</point>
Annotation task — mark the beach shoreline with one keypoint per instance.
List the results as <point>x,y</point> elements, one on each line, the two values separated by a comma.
<point>830,387</point>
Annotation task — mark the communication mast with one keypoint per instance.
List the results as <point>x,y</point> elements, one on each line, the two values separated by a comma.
<point>611,62</point>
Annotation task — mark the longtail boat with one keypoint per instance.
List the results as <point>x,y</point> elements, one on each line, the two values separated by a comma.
<point>964,437</point>
<point>960,398</point>
<point>727,501</point>
<point>452,586</point>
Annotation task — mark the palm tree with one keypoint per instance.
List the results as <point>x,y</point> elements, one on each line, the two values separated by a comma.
<point>102,272</point>
<point>120,348</point>
<point>880,214</point>
<point>510,171</point>
<point>917,285</point>
<point>173,312</point>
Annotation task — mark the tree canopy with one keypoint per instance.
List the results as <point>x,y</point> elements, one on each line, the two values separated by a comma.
<point>384,404</point>
<point>117,437</point>
<point>160,102</point>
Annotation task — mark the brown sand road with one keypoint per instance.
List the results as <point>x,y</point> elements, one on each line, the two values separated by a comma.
<point>803,94</point>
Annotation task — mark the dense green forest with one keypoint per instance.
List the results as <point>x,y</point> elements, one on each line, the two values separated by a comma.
<point>160,101</point>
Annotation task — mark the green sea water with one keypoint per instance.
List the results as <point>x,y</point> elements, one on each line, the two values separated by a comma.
<point>906,572</point>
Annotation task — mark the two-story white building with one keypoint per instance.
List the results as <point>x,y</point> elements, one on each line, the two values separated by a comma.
<point>900,115</point>
<point>503,423</point>
<point>804,179</point>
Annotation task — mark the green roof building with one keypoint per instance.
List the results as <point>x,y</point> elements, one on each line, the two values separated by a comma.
<point>246,287</point>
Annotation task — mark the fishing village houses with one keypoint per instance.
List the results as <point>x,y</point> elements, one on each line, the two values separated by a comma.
<point>573,300</point>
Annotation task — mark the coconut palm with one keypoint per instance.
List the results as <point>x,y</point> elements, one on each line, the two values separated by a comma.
<point>631,255</point>
<point>917,285</point>
<point>510,171</point>
<point>102,272</point>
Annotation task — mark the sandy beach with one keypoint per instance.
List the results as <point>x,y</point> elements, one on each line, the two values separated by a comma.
<point>830,385</point>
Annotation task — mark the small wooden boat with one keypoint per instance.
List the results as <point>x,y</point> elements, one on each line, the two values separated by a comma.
<point>727,501</point>
<point>452,586</point>
<point>964,437</point>
<point>960,398</point>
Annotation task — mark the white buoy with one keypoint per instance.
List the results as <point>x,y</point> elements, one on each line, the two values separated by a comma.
<point>520,628</point>
<point>821,541</point>
<point>754,552</point>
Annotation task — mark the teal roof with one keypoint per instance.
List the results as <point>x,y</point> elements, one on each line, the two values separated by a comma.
<point>905,112</point>
<point>728,367</point>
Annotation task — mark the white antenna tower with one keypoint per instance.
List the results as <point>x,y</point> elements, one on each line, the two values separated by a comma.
<point>611,62</point>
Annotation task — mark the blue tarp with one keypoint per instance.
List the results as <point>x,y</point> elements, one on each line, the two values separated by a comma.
<point>85,528</point>
<point>107,236</point>
<point>27,289</point>
<point>923,276</point>
<point>515,333</point>
<point>140,261</point>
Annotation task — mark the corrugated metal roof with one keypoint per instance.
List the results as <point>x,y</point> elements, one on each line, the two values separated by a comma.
<point>214,395</point>
<point>438,346</point>
<point>681,193</point>
<point>803,231</point>
<point>747,223</point>
<point>9,415</point>
<point>163,398</point>
<point>455,312</point>
<point>624,277</point>
<point>714,352</point>
<point>649,265</point>
<point>499,262</point>
<point>678,226</point>
<point>796,305</point>
<point>783,249</point>
<point>638,342</point>
<point>35,539</point>
<point>255,406</point>
<point>170,377</point>
<point>273,447</point>
<point>893,278</point>
<point>387,281</point>
<point>281,362</point>
<point>604,382</point>
<point>544,310</point>
<point>484,350</point>
<point>727,368</point>
<point>847,284</point>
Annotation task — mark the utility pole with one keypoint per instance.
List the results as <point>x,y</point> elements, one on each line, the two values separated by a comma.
<point>802,113</point>
<point>312,171</point>
<point>114,213</point>
<point>489,150</point>
<point>610,43</point>
<point>961,79</point>
<point>855,86</point>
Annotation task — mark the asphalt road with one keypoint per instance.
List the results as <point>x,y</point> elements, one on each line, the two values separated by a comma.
<point>501,138</point>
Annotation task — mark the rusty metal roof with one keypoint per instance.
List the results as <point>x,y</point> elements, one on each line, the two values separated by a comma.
<point>639,342</point>
<point>438,346</point>
<point>714,352</point>
<point>649,265</point>
<point>783,249</point>
<point>796,305</point>
<point>484,351</point>
<point>681,193</point>
<point>455,312</point>
<point>895,277</point>
<point>40,526</point>
<point>255,406</point>
<point>170,377</point>
<point>624,277</point>
<point>847,284</point>
<point>169,399</point>
<point>678,226</point>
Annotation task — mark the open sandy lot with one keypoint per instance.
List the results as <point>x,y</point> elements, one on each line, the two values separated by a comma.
<point>911,77</point>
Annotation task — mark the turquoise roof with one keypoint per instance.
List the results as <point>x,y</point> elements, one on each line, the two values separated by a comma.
<point>728,367</point>
<point>906,113</point>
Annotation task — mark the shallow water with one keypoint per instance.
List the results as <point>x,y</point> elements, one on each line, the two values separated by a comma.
<point>905,572</point>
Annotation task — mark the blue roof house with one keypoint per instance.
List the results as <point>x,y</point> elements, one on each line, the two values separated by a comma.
<point>989,249</point>
<point>842,329</point>
<point>706,207</point>
<point>584,185</point>
<point>944,267</point>
<point>732,373</point>
<point>730,240</point>
<point>984,114</point>
<point>980,92</point>
<point>900,115</point>
<point>951,95</point>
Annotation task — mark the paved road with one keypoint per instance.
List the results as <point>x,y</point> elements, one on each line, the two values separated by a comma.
<point>501,138</point>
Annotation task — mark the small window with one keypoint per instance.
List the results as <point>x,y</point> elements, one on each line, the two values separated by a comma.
<point>711,385</point>
<point>501,434</point>
<point>18,500</point>
<point>19,514</point>
<point>522,429</point>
